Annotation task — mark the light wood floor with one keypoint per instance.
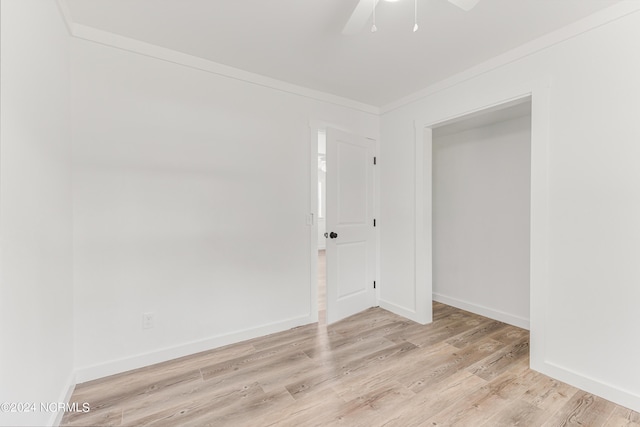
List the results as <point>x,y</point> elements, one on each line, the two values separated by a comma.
<point>372,369</point>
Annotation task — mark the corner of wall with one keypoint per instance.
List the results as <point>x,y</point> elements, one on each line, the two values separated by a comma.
<point>65,397</point>
<point>66,15</point>
<point>402,311</point>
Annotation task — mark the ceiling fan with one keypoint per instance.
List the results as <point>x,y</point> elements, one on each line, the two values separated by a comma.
<point>365,8</point>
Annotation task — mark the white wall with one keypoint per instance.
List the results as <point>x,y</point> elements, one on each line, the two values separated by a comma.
<point>591,314</point>
<point>481,192</point>
<point>36,323</point>
<point>191,192</point>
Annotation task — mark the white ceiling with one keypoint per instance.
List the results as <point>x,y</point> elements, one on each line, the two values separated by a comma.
<point>300,41</point>
<point>486,117</point>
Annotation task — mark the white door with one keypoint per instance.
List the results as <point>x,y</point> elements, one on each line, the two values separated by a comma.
<point>350,233</point>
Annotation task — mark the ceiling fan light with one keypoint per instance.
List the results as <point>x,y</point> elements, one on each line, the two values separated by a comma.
<point>415,28</point>
<point>374,28</point>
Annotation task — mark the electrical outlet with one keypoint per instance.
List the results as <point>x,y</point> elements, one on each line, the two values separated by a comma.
<point>147,320</point>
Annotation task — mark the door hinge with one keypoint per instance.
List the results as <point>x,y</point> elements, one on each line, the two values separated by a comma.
<point>374,284</point>
<point>375,160</point>
<point>374,222</point>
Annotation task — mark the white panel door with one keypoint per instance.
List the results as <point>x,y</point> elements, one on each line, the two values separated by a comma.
<point>350,236</point>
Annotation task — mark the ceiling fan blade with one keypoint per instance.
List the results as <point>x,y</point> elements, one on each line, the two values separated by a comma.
<point>465,5</point>
<point>359,17</point>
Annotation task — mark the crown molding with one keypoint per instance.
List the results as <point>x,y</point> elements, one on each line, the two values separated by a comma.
<point>598,19</point>
<point>117,41</point>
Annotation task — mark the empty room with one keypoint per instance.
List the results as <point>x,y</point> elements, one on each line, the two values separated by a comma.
<point>337,212</point>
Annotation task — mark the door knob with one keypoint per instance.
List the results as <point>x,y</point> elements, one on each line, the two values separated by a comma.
<point>333,235</point>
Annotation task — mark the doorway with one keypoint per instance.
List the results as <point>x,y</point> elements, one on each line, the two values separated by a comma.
<point>344,249</point>
<point>538,92</point>
<point>481,181</point>
<point>322,227</point>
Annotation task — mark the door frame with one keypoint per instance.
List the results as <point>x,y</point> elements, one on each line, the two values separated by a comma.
<point>314,127</point>
<point>539,204</point>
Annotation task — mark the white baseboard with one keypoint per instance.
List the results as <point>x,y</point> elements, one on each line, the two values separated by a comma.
<point>599,388</point>
<point>511,319</point>
<point>65,397</point>
<point>584,382</point>
<point>101,370</point>
<point>399,310</point>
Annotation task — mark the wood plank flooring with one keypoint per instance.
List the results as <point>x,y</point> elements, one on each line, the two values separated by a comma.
<point>372,369</point>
